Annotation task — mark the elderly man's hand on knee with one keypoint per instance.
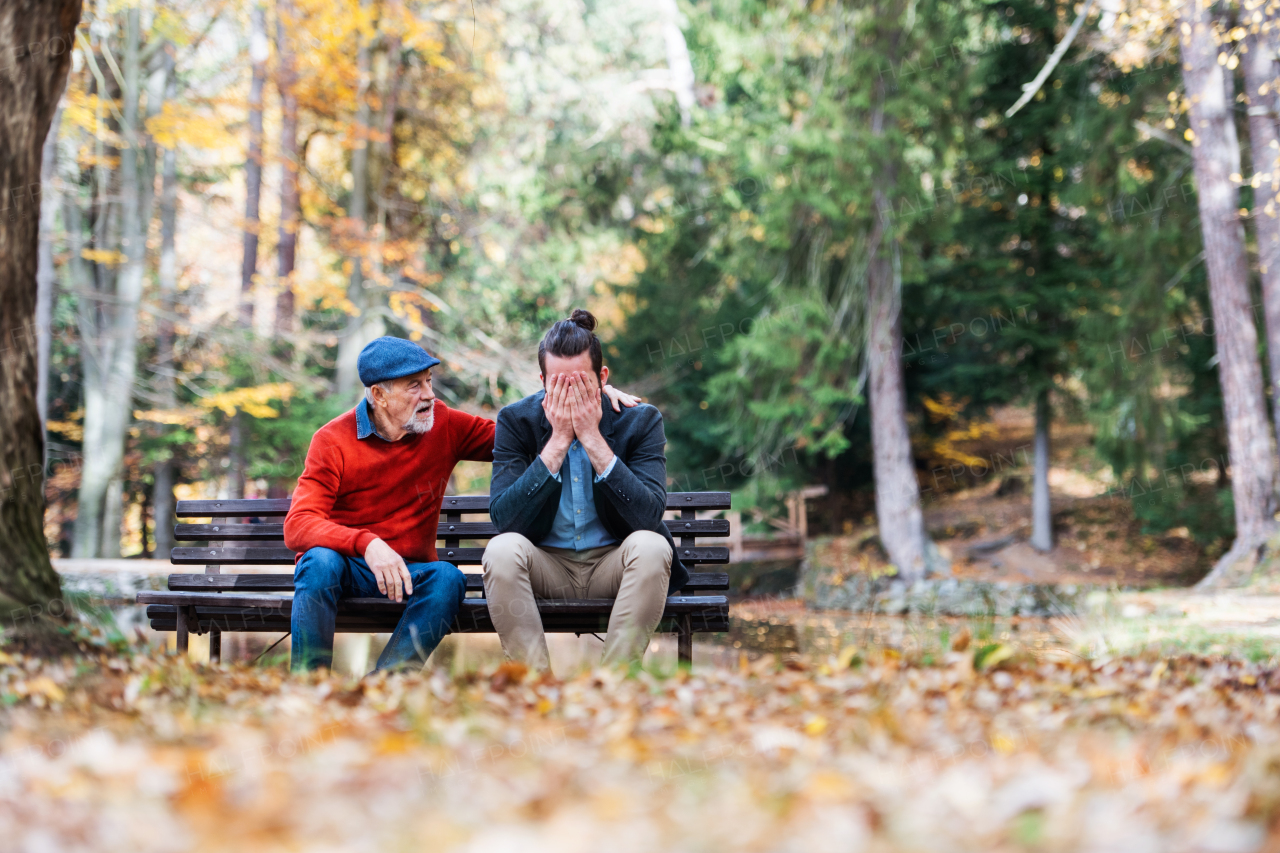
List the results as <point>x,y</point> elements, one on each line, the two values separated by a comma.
<point>389,569</point>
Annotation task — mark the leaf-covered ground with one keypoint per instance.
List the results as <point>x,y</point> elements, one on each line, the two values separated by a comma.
<point>855,750</point>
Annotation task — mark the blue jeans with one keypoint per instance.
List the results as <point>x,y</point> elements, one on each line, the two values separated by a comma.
<point>322,577</point>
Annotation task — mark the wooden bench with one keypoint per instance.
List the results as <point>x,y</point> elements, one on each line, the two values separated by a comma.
<point>214,603</point>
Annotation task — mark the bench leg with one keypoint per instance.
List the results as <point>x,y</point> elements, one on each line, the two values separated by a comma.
<point>182,630</point>
<point>684,642</point>
<point>215,646</point>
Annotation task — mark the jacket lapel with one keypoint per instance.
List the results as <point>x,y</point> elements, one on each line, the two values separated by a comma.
<point>608,423</point>
<point>541,426</point>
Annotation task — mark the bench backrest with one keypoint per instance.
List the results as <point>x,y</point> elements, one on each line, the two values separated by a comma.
<point>228,540</point>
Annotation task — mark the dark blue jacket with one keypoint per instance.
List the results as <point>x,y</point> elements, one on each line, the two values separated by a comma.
<point>524,497</point>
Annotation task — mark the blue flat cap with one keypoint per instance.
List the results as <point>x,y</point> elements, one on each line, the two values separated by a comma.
<point>390,358</point>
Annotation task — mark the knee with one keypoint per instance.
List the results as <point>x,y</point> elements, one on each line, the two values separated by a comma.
<point>319,569</point>
<point>444,579</point>
<point>505,553</point>
<point>648,551</point>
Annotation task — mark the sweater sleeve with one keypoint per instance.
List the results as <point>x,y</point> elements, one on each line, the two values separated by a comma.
<point>307,525</point>
<point>472,436</point>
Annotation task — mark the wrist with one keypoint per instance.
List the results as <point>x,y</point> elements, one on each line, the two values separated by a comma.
<point>364,542</point>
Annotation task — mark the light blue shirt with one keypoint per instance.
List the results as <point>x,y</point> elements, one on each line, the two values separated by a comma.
<point>364,422</point>
<point>577,525</point>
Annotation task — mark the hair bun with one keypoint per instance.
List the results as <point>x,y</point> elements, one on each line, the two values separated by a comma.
<point>583,318</point>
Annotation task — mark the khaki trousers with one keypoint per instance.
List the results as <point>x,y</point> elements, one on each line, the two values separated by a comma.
<point>635,573</point>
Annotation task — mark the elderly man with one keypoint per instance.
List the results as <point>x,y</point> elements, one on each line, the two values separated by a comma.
<point>365,512</point>
<point>579,492</point>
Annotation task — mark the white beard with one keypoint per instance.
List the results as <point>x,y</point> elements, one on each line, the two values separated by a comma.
<point>421,427</point>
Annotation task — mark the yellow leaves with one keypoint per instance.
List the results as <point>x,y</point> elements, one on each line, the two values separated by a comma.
<point>848,657</point>
<point>414,307</point>
<point>829,786</point>
<point>1189,135</point>
<point>171,417</point>
<point>651,224</point>
<point>84,110</point>
<point>1138,171</point>
<point>106,257</point>
<point>40,689</point>
<point>395,743</point>
<point>252,401</point>
<point>186,125</point>
<point>815,725</point>
<point>620,266</point>
<point>1003,744</point>
<point>945,407</point>
<point>74,432</point>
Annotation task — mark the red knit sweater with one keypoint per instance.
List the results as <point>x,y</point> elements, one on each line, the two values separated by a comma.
<point>352,492</point>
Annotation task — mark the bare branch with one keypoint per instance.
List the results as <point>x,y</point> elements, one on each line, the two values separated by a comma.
<point>1030,89</point>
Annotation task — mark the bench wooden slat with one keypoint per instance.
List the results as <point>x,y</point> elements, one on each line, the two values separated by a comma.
<point>284,583</point>
<point>283,604</point>
<point>452,503</point>
<point>469,621</point>
<point>268,532</point>
<point>266,555</point>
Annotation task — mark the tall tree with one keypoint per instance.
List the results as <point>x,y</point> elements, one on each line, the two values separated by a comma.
<point>165,472</point>
<point>1026,268</point>
<point>898,511</point>
<point>1261,80</point>
<point>46,276</point>
<point>1216,157</point>
<point>258,53</point>
<point>290,163</point>
<point>109,386</point>
<point>365,325</point>
<point>40,35</point>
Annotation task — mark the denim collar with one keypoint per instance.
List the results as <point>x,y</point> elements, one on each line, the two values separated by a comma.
<point>364,423</point>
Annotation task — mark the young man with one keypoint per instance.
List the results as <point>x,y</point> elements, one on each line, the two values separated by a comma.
<point>367,505</point>
<point>579,493</point>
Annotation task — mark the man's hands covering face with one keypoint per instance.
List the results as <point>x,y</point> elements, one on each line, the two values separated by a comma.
<point>584,408</point>
<point>573,408</point>
<point>556,406</point>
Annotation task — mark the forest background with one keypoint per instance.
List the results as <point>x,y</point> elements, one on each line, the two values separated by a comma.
<point>813,233</point>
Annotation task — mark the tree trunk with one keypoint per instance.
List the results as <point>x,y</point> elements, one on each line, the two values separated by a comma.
<point>235,457</point>
<point>1260,72</point>
<point>898,510</point>
<point>258,53</point>
<point>29,94</point>
<point>1041,508</point>
<point>897,492</point>
<point>287,245</point>
<point>46,277</point>
<point>165,472</point>
<point>365,326</point>
<point>112,519</point>
<point>1239,371</point>
<point>109,391</point>
<point>95,286</point>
